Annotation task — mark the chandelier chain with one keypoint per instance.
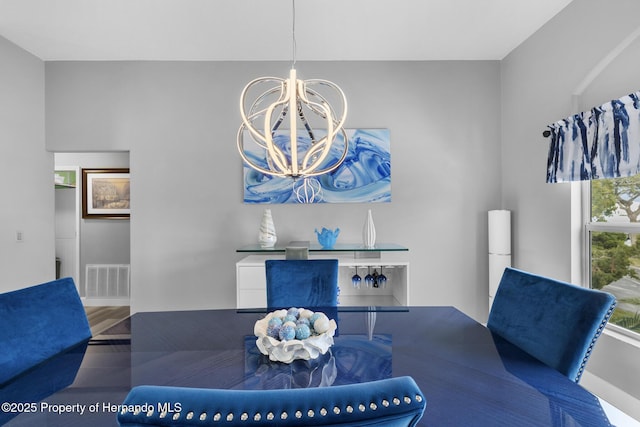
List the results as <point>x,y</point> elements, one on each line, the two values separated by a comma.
<point>293,33</point>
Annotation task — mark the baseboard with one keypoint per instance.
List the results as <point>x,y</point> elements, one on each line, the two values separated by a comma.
<point>99,302</point>
<point>619,399</point>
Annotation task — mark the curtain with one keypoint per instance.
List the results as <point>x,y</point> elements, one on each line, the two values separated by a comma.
<point>603,142</point>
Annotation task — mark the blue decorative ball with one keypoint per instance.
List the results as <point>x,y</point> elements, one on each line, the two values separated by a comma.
<point>303,321</point>
<point>302,332</point>
<point>293,311</point>
<point>275,321</point>
<point>289,318</point>
<point>314,317</point>
<point>273,331</point>
<point>287,332</point>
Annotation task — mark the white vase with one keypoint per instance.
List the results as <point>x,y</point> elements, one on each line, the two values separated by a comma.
<point>267,236</point>
<point>369,232</point>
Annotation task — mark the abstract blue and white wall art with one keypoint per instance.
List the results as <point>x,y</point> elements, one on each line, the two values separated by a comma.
<point>363,177</point>
<point>603,142</point>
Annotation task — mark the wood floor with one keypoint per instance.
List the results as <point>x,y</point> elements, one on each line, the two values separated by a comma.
<point>101,318</point>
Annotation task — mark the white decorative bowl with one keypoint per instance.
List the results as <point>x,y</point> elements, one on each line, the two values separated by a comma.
<point>288,351</point>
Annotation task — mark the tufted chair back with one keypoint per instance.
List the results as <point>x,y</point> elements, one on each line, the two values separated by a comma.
<point>391,402</point>
<point>556,322</point>
<point>302,283</point>
<point>39,322</point>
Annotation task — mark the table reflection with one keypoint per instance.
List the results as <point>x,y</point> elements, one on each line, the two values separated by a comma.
<point>583,409</point>
<point>24,392</point>
<point>351,359</point>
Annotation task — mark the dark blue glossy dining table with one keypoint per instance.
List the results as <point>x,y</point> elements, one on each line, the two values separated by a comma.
<point>469,376</point>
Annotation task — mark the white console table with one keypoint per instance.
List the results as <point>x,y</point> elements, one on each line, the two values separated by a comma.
<point>251,282</point>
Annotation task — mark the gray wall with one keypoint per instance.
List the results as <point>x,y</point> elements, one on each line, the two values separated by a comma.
<point>179,122</point>
<point>27,173</point>
<point>539,81</point>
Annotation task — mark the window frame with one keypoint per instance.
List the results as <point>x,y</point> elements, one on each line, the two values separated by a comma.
<point>590,226</point>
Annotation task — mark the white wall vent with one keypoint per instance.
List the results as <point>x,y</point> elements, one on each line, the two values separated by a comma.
<point>107,281</point>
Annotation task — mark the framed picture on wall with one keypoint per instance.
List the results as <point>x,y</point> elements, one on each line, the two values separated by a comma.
<point>105,194</point>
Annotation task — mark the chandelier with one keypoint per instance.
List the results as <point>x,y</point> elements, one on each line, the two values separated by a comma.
<point>293,123</point>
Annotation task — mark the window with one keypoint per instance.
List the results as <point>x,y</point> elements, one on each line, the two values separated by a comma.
<point>614,246</point>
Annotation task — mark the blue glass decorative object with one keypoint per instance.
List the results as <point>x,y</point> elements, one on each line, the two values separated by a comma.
<point>356,279</point>
<point>327,238</point>
<point>381,279</point>
<point>369,279</point>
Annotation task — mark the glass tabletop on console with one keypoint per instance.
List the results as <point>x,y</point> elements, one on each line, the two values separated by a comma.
<point>468,376</point>
<point>315,247</point>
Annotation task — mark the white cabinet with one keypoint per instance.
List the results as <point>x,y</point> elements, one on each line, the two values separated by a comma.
<point>251,282</point>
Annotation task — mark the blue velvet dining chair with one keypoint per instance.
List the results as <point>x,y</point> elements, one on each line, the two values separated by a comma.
<point>556,322</point>
<point>302,283</point>
<point>390,402</point>
<point>37,323</point>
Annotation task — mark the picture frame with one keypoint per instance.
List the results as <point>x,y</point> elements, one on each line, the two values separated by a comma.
<point>105,193</point>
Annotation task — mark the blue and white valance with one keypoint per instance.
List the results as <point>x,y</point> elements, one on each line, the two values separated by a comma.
<point>603,142</point>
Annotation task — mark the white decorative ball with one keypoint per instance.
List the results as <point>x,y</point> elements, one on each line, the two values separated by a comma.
<point>321,325</point>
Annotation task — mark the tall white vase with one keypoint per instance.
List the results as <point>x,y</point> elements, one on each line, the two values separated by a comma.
<point>369,232</point>
<point>267,236</point>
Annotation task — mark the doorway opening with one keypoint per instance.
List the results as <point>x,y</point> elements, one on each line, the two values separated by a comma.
<point>94,251</point>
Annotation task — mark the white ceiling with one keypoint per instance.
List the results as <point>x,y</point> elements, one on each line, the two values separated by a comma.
<point>262,29</point>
